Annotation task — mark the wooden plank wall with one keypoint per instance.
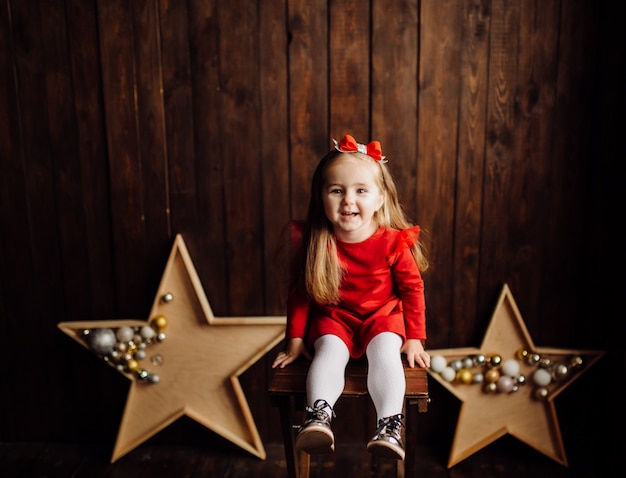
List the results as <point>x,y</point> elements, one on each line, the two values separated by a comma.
<point>126,122</point>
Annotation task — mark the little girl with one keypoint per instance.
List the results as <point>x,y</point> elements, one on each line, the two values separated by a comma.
<point>355,289</point>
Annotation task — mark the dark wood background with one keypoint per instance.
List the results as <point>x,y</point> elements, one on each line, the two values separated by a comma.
<point>124,123</point>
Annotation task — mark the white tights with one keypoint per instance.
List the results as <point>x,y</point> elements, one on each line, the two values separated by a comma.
<point>385,378</point>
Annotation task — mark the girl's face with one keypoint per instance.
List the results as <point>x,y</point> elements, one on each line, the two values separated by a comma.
<point>351,197</point>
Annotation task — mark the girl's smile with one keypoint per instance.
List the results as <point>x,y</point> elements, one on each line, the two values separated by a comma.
<point>351,197</point>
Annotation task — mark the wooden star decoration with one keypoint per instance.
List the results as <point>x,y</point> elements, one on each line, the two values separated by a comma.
<point>485,417</point>
<point>201,359</point>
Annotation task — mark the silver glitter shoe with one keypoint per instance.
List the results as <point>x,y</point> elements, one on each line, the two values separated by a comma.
<point>315,436</point>
<point>387,441</point>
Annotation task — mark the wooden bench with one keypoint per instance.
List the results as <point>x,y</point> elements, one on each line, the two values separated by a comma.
<point>288,389</point>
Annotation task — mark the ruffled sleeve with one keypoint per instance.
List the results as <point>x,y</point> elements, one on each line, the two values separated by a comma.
<point>296,231</point>
<point>406,239</point>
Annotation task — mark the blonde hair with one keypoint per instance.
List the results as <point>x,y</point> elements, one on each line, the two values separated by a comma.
<point>318,255</point>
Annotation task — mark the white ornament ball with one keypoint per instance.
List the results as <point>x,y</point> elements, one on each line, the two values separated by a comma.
<point>147,332</point>
<point>510,367</point>
<point>505,384</point>
<point>438,363</point>
<point>124,334</point>
<point>542,377</point>
<point>448,374</point>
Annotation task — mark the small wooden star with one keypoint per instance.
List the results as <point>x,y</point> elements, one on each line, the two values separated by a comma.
<point>485,417</point>
<point>200,361</point>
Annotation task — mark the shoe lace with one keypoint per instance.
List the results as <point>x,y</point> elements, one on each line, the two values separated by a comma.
<point>317,412</point>
<point>391,424</point>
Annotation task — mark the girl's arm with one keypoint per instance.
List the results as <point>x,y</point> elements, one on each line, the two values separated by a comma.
<point>411,290</point>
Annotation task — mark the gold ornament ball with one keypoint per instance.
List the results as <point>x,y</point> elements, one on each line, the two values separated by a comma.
<point>492,375</point>
<point>522,354</point>
<point>576,361</point>
<point>132,365</point>
<point>160,322</point>
<point>465,376</point>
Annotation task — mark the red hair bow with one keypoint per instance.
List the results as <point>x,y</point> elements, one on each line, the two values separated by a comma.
<point>348,144</point>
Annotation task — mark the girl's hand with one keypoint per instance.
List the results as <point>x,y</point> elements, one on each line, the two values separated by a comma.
<point>415,353</point>
<point>295,348</point>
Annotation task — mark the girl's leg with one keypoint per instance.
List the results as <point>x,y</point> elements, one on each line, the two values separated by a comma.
<point>385,378</point>
<point>325,383</point>
<point>326,377</point>
<point>386,384</point>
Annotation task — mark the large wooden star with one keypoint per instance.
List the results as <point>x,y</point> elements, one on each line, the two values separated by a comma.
<point>202,357</point>
<point>485,417</point>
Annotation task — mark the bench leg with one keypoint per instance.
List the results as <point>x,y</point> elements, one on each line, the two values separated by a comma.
<point>413,407</point>
<point>405,468</point>
<point>284,409</point>
<point>298,463</point>
<point>304,465</point>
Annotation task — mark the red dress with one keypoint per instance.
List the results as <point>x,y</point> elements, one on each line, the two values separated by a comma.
<point>382,291</point>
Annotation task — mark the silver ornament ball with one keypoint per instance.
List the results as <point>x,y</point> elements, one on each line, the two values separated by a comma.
<point>101,341</point>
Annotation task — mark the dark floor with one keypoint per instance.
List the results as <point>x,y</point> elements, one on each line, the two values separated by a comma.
<point>504,458</point>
